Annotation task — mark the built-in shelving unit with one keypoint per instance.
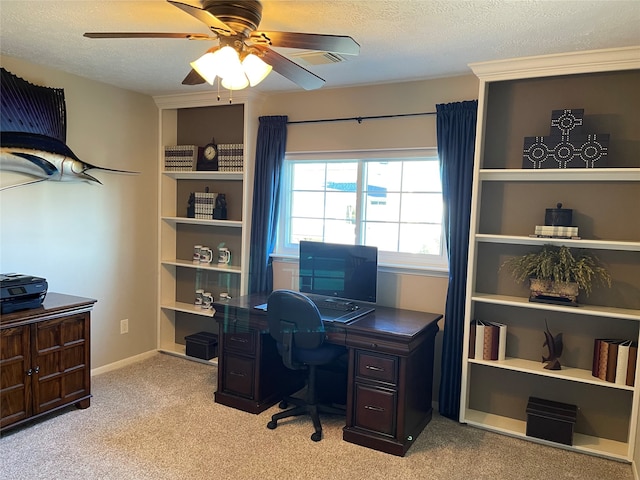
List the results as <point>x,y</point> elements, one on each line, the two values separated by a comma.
<point>515,100</point>
<point>196,119</point>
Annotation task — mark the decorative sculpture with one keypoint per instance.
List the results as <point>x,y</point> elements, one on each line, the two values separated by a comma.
<point>33,134</point>
<point>554,344</point>
<point>566,146</point>
<point>220,210</point>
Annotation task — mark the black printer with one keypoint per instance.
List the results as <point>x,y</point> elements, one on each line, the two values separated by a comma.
<point>20,292</point>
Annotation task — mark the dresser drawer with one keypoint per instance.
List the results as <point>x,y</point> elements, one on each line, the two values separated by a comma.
<point>379,367</point>
<point>237,375</point>
<point>242,342</point>
<point>375,409</point>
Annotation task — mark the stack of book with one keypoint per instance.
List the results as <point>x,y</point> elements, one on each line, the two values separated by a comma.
<point>180,158</point>
<point>614,360</point>
<point>205,204</point>
<point>555,231</point>
<point>230,157</point>
<point>487,340</point>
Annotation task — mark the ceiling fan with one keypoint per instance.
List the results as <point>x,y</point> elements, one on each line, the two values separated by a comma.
<point>234,24</point>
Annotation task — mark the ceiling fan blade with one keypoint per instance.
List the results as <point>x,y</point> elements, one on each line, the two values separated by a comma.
<point>290,70</point>
<point>193,78</point>
<point>309,41</point>
<point>189,36</point>
<point>214,24</point>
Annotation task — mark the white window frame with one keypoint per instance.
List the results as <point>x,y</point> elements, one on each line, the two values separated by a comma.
<point>390,261</point>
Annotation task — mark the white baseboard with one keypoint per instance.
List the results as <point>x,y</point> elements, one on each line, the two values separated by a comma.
<point>122,363</point>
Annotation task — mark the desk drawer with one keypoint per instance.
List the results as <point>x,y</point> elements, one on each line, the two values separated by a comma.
<point>337,337</point>
<point>237,376</point>
<point>379,367</point>
<point>242,342</point>
<point>375,409</point>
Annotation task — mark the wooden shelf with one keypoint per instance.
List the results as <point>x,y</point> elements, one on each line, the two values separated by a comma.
<point>517,428</point>
<point>187,308</point>
<point>537,368</point>
<point>203,266</point>
<point>582,243</point>
<point>192,119</point>
<point>505,205</point>
<point>561,175</point>
<point>594,310</point>
<point>199,221</point>
<point>201,175</point>
<point>179,350</point>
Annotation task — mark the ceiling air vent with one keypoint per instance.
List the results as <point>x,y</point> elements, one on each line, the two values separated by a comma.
<point>309,59</point>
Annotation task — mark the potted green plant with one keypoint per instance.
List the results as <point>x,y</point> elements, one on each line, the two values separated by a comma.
<point>556,273</point>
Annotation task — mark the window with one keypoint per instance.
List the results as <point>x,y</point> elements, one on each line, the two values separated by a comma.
<point>391,200</point>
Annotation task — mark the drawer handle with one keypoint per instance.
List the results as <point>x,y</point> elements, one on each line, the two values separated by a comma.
<point>374,408</point>
<point>237,374</point>
<point>239,339</point>
<point>374,368</point>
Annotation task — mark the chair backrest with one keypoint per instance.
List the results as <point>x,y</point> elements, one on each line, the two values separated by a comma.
<point>294,322</point>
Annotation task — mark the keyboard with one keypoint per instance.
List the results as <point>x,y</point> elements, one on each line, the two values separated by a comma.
<point>334,304</point>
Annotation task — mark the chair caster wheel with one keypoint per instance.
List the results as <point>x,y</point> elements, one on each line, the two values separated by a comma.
<point>283,404</point>
<point>316,437</point>
<point>272,425</point>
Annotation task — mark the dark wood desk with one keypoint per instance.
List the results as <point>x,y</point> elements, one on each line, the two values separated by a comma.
<point>390,370</point>
<point>45,358</point>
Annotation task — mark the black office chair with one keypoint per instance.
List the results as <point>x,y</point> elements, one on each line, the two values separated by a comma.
<point>296,325</point>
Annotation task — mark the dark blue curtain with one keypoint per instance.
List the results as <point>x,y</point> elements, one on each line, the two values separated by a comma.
<point>456,134</point>
<point>270,150</point>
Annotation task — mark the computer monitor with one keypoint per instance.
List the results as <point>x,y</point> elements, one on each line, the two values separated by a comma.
<point>336,270</point>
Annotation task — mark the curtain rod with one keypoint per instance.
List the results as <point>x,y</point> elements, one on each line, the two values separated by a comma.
<point>360,119</point>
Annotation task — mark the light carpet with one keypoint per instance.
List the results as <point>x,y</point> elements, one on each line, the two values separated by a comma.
<point>156,419</point>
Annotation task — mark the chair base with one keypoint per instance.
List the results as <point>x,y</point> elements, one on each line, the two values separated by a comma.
<point>304,408</point>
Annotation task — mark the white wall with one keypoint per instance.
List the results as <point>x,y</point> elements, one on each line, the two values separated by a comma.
<point>97,241</point>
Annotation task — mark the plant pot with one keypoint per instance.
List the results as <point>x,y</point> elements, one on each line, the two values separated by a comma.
<point>548,291</point>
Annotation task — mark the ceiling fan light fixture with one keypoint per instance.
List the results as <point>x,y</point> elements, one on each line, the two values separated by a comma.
<point>255,69</point>
<point>237,81</point>
<point>225,63</point>
<point>206,66</point>
<point>229,61</point>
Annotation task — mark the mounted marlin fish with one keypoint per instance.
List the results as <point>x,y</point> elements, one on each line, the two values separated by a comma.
<point>33,134</point>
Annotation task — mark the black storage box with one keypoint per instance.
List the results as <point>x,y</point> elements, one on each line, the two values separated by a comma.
<point>549,420</point>
<point>202,345</point>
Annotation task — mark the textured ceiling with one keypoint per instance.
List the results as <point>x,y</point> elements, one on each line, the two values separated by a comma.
<point>399,39</point>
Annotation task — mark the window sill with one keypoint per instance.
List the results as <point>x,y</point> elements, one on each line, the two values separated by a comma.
<point>424,271</point>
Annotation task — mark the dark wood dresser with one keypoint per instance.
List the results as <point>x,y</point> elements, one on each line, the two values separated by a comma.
<point>45,358</point>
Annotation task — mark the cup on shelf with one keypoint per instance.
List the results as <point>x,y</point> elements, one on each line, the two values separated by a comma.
<point>224,256</point>
<point>207,301</point>
<point>196,253</point>
<point>199,298</point>
<point>206,255</point>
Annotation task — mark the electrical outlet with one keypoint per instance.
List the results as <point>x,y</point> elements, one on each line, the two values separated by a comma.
<point>124,326</point>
